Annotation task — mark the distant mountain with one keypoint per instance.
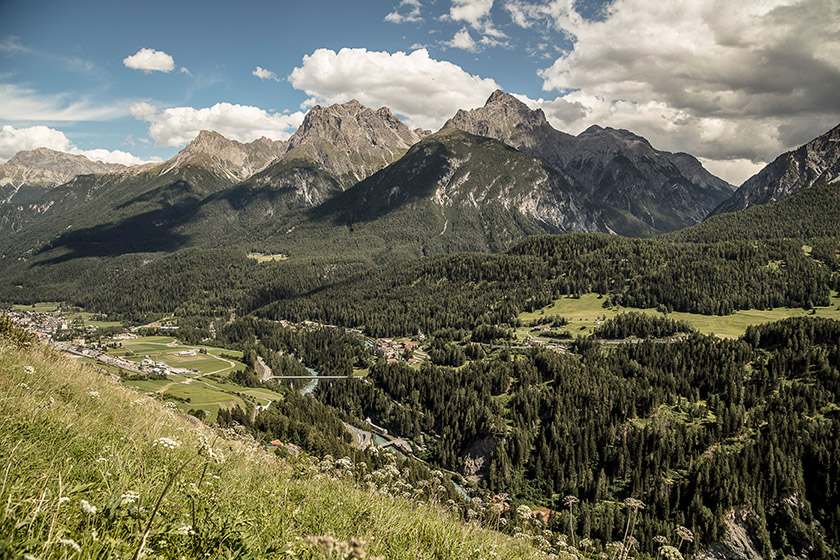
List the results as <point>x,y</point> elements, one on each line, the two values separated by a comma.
<point>452,191</point>
<point>31,173</point>
<point>667,191</point>
<point>816,162</point>
<point>226,158</point>
<point>351,141</point>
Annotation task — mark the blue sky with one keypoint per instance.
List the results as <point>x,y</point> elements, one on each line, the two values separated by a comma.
<point>733,84</point>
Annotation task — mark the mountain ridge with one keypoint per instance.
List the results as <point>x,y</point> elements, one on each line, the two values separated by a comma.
<point>815,162</point>
<point>616,167</point>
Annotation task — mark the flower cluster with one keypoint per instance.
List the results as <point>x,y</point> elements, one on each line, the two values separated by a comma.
<point>129,498</point>
<point>166,443</point>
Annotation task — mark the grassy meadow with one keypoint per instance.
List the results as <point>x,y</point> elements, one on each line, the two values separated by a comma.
<point>92,469</point>
<point>586,312</point>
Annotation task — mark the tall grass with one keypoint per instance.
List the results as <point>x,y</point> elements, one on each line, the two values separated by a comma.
<point>92,469</point>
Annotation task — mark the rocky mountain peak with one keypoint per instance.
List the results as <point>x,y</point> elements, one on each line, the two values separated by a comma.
<point>351,141</point>
<point>53,160</point>
<point>36,171</point>
<point>227,158</point>
<point>814,163</point>
<point>500,117</point>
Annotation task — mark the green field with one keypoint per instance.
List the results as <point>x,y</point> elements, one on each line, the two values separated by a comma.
<point>584,312</point>
<point>44,306</point>
<point>165,349</point>
<point>267,258</point>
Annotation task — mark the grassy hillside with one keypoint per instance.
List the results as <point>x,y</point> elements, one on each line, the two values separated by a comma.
<point>93,469</point>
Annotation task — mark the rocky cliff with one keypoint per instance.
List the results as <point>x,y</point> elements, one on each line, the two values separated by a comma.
<point>816,162</point>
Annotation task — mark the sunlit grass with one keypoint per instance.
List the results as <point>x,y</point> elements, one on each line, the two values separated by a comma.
<point>586,312</point>
<point>84,462</point>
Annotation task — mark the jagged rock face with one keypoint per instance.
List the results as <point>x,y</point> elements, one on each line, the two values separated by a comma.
<point>455,170</point>
<point>227,158</point>
<point>816,162</point>
<point>667,191</point>
<point>351,141</point>
<point>509,120</point>
<point>739,543</point>
<point>31,173</point>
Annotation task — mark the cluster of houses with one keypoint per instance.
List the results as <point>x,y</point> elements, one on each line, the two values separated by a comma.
<point>393,351</point>
<point>42,324</point>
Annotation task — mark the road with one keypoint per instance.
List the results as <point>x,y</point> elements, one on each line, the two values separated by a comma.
<point>363,438</point>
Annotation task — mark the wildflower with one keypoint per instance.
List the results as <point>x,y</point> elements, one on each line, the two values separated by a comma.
<point>63,499</point>
<point>102,460</point>
<point>71,543</point>
<point>28,370</point>
<point>23,385</point>
<point>185,530</point>
<point>93,394</point>
<point>87,508</point>
<point>524,512</point>
<point>166,443</point>
<point>671,553</point>
<point>129,498</point>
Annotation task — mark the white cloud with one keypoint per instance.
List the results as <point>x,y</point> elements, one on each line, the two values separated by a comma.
<point>13,140</point>
<point>424,90</point>
<point>463,40</point>
<point>149,60</point>
<point>731,82</point>
<point>476,13</point>
<point>112,156</point>
<point>21,105</point>
<point>470,11</point>
<point>736,171</point>
<point>412,16</point>
<point>177,126</point>
<point>264,74</point>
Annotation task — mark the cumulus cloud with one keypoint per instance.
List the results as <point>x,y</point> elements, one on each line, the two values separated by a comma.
<point>463,40</point>
<point>412,15</point>
<point>264,74</point>
<point>177,126</point>
<point>424,90</point>
<point>732,82</point>
<point>149,60</point>
<point>13,140</point>
<point>470,11</point>
<point>18,104</point>
<point>475,13</point>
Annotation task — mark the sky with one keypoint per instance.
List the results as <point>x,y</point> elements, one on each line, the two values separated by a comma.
<point>735,83</point>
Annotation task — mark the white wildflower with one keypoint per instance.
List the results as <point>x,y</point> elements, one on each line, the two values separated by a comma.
<point>71,543</point>
<point>166,443</point>
<point>28,370</point>
<point>87,508</point>
<point>93,394</point>
<point>102,460</point>
<point>129,498</point>
<point>63,499</point>
<point>23,385</point>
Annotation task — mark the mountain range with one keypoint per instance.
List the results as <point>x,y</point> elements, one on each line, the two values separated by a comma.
<point>356,184</point>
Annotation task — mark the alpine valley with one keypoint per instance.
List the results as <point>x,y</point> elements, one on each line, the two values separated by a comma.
<point>582,345</point>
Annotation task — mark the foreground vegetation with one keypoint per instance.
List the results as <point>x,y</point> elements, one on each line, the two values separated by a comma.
<point>92,469</point>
